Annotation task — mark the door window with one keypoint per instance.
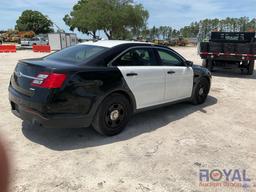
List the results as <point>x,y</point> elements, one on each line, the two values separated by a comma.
<point>136,57</point>
<point>169,59</point>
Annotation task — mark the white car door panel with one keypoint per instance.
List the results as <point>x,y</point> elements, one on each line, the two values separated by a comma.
<point>179,77</point>
<point>147,83</point>
<point>179,82</point>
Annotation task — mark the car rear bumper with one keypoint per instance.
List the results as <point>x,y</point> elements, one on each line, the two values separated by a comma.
<point>22,109</point>
<point>56,121</point>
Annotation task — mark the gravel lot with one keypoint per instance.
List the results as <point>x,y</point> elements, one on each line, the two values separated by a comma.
<point>161,150</point>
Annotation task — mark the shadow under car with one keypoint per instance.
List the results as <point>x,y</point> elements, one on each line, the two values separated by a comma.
<point>77,138</point>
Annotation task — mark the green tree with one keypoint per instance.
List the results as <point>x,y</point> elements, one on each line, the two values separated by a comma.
<point>163,30</point>
<point>153,32</point>
<point>170,33</point>
<point>117,18</point>
<point>34,21</point>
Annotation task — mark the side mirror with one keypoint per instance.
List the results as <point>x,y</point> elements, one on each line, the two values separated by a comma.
<point>189,63</point>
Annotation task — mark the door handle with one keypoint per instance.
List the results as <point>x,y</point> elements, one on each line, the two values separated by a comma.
<point>131,74</point>
<point>171,72</point>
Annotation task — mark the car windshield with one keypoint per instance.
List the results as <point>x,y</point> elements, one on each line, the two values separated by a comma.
<point>76,54</point>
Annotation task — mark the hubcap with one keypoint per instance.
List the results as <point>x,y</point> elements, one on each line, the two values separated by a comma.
<point>201,91</point>
<point>114,115</point>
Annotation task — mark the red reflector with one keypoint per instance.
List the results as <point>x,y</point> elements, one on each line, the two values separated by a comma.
<point>49,80</point>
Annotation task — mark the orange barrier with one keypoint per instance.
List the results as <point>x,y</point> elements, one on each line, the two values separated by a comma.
<point>41,48</point>
<point>7,48</point>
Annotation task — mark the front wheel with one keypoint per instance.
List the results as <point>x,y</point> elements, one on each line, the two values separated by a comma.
<point>113,115</point>
<point>201,92</point>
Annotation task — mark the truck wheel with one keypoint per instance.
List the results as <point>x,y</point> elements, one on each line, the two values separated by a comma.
<point>209,65</point>
<point>113,115</point>
<point>251,68</point>
<point>201,92</point>
<point>205,63</point>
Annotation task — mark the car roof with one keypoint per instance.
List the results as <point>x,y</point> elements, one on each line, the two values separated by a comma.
<point>112,43</point>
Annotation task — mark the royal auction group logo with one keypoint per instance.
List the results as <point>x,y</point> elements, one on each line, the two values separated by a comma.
<point>224,178</point>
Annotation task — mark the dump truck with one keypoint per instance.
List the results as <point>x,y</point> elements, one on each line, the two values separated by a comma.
<point>229,50</point>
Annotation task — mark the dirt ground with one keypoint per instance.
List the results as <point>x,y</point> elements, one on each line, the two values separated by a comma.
<point>160,150</point>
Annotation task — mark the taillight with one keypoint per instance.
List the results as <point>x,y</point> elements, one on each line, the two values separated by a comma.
<point>49,80</point>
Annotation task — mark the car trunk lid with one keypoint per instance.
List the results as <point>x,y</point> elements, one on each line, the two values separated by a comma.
<point>26,72</point>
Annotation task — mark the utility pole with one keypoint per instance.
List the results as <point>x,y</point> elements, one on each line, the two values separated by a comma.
<point>59,29</point>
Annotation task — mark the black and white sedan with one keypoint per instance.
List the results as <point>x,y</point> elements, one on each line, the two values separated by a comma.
<point>102,84</point>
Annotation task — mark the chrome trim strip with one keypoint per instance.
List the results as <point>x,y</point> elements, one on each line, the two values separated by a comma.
<point>19,74</point>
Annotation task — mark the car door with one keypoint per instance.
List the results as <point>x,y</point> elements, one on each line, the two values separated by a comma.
<point>179,77</point>
<point>145,79</point>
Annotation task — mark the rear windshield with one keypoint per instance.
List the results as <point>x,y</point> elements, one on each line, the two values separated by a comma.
<point>76,54</point>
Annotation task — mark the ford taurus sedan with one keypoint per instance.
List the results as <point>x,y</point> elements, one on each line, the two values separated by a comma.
<point>102,84</point>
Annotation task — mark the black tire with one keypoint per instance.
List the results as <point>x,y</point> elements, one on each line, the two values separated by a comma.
<point>209,65</point>
<point>113,115</point>
<point>205,63</point>
<point>251,68</point>
<point>201,92</point>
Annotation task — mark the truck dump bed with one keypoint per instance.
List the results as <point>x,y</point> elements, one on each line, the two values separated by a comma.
<point>229,49</point>
<point>234,45</point>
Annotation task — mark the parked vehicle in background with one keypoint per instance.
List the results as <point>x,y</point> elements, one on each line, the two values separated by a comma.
<point>180,41</point>
<point>229,50</point>
<point>34,41</point>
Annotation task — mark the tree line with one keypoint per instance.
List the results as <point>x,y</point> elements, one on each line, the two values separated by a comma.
<point>202,28</point>
<point>125,19</point>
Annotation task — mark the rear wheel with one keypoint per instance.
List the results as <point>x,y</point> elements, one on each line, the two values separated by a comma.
<point>112,115</point>
<point>201,92</point>
<point>251,68</point>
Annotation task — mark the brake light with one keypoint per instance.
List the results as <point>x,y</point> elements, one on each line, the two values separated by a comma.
<point>49,80</point>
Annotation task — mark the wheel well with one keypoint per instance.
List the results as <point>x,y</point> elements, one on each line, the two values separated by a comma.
<point>131,101</point>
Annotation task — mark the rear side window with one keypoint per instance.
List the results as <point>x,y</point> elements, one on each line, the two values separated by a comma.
<point>169,59</point>
<point>76,54</point>
<point>136,57</point>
